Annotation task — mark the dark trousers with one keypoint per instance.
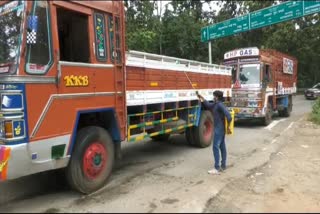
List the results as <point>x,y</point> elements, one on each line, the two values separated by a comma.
<point>219,145</point>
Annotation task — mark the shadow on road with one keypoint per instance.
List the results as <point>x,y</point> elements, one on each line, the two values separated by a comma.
<point>54,182</point>
<point>33,185</point>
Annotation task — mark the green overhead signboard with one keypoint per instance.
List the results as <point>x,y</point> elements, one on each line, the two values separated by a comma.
<point>261,18</point>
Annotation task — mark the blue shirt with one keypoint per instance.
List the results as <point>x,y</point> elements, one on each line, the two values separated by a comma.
<point>219,113</point>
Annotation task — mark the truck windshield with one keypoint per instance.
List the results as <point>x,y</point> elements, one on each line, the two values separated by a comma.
<point>250,74</point>
<point>10,24</point>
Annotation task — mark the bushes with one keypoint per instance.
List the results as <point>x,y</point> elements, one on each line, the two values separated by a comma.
<point>315,114</point>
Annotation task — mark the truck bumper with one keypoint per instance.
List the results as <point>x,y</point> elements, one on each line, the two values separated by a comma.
<point>248,113</point>
<point>29,158</point>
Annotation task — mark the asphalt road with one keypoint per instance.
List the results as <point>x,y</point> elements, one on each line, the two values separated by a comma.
<point>157,177</point>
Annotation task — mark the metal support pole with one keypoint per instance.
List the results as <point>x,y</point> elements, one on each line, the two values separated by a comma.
<point>210,54</point>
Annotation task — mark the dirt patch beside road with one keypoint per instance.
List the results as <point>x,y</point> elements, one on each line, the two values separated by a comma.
<point>289,182</point>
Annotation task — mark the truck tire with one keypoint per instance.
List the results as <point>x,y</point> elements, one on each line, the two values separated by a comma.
<point>280,113</point>
<point>268,117</point>
<point>162,137</point>
<point>203,134</point>
<point>189,136</point>
<point>287,111</point>
<point>92,160</point>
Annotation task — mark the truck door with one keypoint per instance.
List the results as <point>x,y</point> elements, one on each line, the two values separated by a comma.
<point>91,60</point>
<point>40,67</point>
<point>75,71</point>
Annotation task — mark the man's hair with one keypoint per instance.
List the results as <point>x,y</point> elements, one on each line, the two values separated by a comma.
<point>218,94</point>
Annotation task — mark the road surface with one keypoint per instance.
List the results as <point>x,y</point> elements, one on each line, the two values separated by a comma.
<point>161,177</point>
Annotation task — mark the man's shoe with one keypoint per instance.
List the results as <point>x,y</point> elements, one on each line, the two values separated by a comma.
<point>213,172</point>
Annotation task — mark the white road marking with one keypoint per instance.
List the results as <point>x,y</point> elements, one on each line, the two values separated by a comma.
<point>289,127</point>
<point>274,123</point>
<point>273,141</point>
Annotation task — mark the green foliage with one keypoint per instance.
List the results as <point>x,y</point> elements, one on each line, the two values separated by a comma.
<point>315,114</point>
<point>142,40</point>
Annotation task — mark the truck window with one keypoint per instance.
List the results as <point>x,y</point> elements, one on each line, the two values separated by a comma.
<point>250,74</point>
<point>73,36</point>
<point>100,37</point>
<point>39,57</point>
<point>266,73</point>
<point>234,73</point>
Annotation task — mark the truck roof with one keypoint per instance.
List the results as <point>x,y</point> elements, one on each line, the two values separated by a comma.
<point>254,52</point>
<point>101,5</point>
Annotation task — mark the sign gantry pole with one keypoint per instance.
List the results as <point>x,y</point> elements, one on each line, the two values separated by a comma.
<point>210,53</point>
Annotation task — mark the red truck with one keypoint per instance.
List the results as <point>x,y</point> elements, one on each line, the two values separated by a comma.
<point>71,94</point>
<point>263,82</point>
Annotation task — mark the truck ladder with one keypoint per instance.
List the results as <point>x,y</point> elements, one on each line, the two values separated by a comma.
<point>118,59</point>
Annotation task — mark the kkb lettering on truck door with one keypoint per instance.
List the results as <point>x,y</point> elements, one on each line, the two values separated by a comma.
<point>72,81</point>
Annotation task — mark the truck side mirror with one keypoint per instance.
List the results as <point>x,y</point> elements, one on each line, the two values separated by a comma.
<point>266,73</point>
<point>32,28</point>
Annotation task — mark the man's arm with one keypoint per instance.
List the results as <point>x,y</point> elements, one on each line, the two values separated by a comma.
<point>206,104</point>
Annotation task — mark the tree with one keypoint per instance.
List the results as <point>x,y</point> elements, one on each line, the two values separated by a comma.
<point>176,32</point>
<point>141,25</point>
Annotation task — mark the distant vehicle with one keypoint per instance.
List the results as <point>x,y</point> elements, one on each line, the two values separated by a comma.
<point>312,93</point>
<point>264,81</point>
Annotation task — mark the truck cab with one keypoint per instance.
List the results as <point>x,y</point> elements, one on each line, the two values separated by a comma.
<point>262,82</point>
<point>61,69</point>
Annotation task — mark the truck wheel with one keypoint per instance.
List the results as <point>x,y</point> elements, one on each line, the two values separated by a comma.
<point>162,137</point>
<point>203,134</point>
<point>280,112</point>
<point>91,161</point>
<point>288,110</point>
<point>189,136</point>
<point>268,117</point>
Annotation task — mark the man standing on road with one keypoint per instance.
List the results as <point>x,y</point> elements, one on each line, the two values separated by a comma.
<point>219,113</point>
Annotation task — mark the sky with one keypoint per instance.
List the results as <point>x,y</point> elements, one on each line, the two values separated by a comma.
<point>206,7</point>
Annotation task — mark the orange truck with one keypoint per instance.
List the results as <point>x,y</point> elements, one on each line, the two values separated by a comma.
<point>264,81</point>
<point>71,94</point>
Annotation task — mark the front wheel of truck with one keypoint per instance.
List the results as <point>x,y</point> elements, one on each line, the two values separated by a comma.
<point>268,117</point>
<point>92,160</point>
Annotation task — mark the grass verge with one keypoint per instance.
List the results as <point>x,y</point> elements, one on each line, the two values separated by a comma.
<point>315,114</point>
